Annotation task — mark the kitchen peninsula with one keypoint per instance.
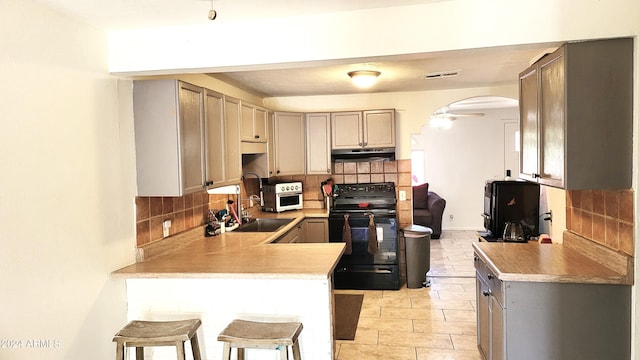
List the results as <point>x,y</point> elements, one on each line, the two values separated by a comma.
<point>239,275</point>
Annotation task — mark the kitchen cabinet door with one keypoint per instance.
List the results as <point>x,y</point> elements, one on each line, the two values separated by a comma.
<point>290,151</point>
<point>379,128</point>
<point>529,124</point>
<point>233,159</point>
<point>346,130</point>
<point>168,120</point>
<point>318,129</point>
<point>215,138</point>
<point>271,144</point>
<point>483,317</point>
<point>260,124</point>
<point>369,129</point>
<point>315,230</point>
<point>579,116</point>
<point>253,121</point>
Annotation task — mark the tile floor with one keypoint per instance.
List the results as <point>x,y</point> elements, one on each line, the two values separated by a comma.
<point>437,322</point>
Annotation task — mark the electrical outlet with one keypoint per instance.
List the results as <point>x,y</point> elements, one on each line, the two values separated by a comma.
<point>165,228</point>
<point>403,195</point>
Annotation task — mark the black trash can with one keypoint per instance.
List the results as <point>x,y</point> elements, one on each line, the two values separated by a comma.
<point>418,254</point>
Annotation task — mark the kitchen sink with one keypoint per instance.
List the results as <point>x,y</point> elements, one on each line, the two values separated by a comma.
<point>264,225</point>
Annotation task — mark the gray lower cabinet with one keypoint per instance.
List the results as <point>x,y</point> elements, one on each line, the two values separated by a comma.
<point>290,237</point>
<point>521,320</point>
<point>314,230</point>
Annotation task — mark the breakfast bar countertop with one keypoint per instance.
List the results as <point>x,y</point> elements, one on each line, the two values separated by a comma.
<point>237,255</point>
<point>553,263</point>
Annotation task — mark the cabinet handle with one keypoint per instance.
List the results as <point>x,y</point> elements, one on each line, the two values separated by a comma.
<point>490,277</point>
<point>486,293</point>
<point>328,171</point>
<point>476,258</point>
<point>364,144</point>
<point>277,171</point>
<point>257,136</point>
<point>359,144</point>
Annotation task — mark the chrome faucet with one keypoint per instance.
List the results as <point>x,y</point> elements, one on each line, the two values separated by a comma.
<point>259,184</point>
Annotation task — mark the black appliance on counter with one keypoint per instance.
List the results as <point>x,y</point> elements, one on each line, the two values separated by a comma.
<point>511,201</point>
<point>362,269</point>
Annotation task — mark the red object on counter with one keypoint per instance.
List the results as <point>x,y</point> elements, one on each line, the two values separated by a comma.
<point>363,205</point>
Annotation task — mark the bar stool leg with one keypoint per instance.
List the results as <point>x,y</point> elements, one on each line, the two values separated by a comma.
<point>180,350</point>
<point>119,351</point>
<point>139,353</point>
<point>284,353</point>
<point>296,350</point>
<point>240,353</point>
<point>195,348</point>
<point>226,352</point>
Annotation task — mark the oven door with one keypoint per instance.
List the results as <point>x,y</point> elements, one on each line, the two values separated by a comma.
<point>288,201</point>
<point>386,230</point>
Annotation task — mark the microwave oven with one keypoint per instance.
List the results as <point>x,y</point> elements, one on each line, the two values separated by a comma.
<point>282,197</point>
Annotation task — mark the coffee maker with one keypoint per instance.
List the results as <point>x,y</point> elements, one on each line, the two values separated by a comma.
<point>511,202</point>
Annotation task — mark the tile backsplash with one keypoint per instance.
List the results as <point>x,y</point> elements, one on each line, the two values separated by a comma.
<point>185,212</point>
<point>398,172</point>
<point>189,211</point>
<point>604,216</point>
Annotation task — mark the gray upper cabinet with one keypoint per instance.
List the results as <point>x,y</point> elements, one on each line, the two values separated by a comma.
<point>169,133</point>
<point>232,154</point>
<point>318,143</point>
<point>254,126</point>
<point>215,138</point>
<point>289,144</point>
<point>576,116</point>
<point>363,129</point>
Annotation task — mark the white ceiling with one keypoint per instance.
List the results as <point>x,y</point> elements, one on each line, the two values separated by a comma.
<point>479,67</point>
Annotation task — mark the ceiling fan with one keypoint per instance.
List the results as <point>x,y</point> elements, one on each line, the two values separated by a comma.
<point>442,118</point>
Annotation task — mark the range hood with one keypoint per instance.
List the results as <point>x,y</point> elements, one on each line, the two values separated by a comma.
<point>356,155</point>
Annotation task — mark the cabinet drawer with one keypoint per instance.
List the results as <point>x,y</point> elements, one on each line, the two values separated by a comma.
<point>496,286</point>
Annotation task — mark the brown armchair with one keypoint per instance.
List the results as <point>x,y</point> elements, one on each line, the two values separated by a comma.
<point>428,208</point>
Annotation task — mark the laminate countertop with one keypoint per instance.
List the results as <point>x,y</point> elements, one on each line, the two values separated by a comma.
<point>238,254</point>
<point>555,263</point>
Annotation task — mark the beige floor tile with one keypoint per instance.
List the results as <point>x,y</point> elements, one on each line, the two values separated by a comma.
<point>385,324</point>
<point>375,352</point>
<point>465,342</point>
<point>457,295</point>
<point>447,287</point>
<point>411,313</point>
<point>429,340</point>
<point>388,301</point>
<point>445,327</point>
<point>370,311</point>
<point>442,304</point>
<point>460,315</point>
<point>436,354</point>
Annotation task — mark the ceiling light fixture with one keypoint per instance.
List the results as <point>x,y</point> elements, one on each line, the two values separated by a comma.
<point>364,78</point>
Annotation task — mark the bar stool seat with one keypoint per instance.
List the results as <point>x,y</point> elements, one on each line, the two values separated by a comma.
<point>243,334</point>
<point>139,334</point>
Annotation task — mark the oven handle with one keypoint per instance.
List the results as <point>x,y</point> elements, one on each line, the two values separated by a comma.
<point>375,271</point>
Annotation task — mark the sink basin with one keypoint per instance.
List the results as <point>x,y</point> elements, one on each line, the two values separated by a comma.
<point>264,225</point>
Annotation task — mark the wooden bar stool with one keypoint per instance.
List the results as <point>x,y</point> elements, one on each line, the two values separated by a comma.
<point>243,334</point>
<point>139,334</point>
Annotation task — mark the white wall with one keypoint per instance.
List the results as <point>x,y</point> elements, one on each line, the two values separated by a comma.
<point>66,187</point>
